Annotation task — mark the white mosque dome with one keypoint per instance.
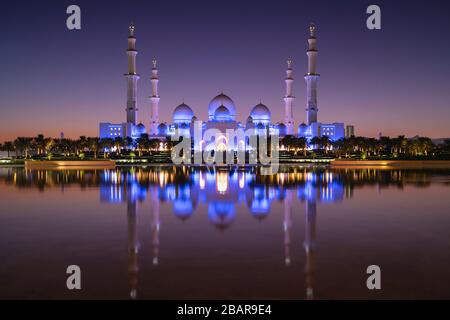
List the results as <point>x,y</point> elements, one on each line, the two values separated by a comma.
<point>222,114</point>
<point>260,113</point>
<point>182,114</point>
<point>222,100</point>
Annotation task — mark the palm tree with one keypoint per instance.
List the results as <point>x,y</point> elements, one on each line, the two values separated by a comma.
<point>324,143</point>
<point>106,144</point>
<point>301,143</point>
<point>23,144</point>
<point>142,143</point>
<point>49,144</point>
<point>288,142</point>
<point>119,143</point>
<point>93,145</point>
<point>8,146</point>
<point>129,142</point>
<point>315,142</point>
<point>39,143</point>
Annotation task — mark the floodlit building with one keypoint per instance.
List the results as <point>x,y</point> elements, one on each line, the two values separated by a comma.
<point>222,110</point>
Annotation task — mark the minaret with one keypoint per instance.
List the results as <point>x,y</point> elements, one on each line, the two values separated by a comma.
<point>288,100</point>
<point>311,77</point>
<point>132,78</point>
<point>154,100</point>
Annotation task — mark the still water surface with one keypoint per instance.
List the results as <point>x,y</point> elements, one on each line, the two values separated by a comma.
<point>172,232</point>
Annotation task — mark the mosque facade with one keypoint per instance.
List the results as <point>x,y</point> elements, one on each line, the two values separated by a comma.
<point>222,109</point>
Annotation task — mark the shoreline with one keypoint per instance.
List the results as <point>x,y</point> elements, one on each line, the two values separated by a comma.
<point>334,164</point>
<point>391,164</point>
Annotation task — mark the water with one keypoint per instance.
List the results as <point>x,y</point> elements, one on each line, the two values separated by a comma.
<point>167,232</point>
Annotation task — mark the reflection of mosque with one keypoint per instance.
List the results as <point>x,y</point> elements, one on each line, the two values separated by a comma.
<point>222,191</point>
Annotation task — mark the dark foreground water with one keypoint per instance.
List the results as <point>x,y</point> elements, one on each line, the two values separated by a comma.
<point>166,232</point>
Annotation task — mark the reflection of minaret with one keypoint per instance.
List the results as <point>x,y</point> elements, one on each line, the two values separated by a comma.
<point>287,223</point>
<point>154,98</point>
<point>133,246</point>
<point>155,225</point>
<point>311,77</point>
<point>309,244</point>
<point>288,100</point>
<point>132,78</point>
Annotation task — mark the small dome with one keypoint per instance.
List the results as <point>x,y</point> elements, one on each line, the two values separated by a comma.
<point>162,129</point>
<point>141,126</point>
<point>282,130</point>
<point>260,113</point>
<point>303,125</point>
<point>249,119</point>
<point>221,100</point>
<point>182,114</point>
<point>222,114</point>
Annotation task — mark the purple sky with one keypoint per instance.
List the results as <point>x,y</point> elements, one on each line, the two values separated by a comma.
<point>395,80</point>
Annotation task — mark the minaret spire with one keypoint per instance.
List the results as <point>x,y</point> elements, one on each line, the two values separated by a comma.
<point>132,77</point>
<point>311,77</point>
<point>154,98</point>
<point>289,99</point>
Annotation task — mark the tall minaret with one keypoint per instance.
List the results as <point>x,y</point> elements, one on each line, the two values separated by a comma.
<point>154,100</point>
<point>132,78</point>
<point>311,77</point>
<point>288,100</point>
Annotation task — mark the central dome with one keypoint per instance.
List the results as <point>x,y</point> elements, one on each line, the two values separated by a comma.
<point>222,100</point>
<point>222,114</point>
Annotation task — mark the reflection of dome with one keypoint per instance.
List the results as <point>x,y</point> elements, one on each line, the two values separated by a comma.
<point>221,213</point>
<point>182,114</point>
<point>183,208</point>
<point>221,100</point>
<point>222,114</point>
<point>162,130</point>
<point>260,113</point>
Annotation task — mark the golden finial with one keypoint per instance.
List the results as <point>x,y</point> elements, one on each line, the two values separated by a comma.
<point>131,28</point>
<point>312,29</point>
<point>154,63</point>
<point>289,63</point>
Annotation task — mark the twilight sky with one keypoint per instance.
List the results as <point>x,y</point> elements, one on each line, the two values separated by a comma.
<point>395,80</point>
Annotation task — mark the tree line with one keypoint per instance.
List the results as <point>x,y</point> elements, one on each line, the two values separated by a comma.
<point>346,147</point>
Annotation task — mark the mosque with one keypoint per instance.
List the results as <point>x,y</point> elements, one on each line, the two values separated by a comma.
<point>222,109</point>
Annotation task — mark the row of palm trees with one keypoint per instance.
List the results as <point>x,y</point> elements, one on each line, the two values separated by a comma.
<point>43,146</point>
<point>366,146</point>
